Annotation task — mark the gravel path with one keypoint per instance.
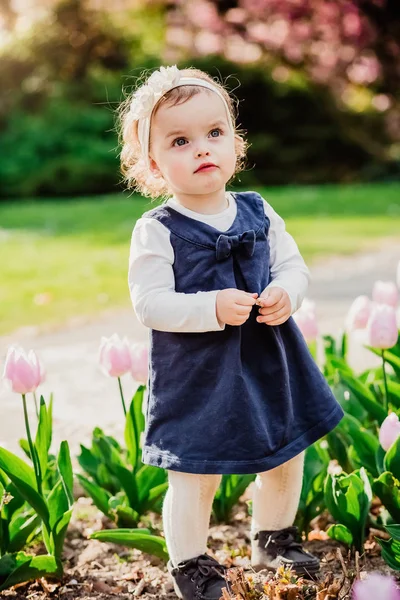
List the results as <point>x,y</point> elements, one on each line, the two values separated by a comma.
<point>84,397</point>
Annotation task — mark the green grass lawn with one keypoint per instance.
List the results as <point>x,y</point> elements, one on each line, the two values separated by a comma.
<point>62,258</point>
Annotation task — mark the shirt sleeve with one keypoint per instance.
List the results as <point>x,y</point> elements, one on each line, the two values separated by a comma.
<point>288,269</point>
<point>152,285</point>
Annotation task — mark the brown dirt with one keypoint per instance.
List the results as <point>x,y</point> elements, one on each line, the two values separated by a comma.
<point>100,571</point>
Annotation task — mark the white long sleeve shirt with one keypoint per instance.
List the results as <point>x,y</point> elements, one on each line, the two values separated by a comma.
<point>151,277</point>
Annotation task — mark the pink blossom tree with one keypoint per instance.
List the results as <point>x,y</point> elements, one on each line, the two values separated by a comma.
<point>350,47</point>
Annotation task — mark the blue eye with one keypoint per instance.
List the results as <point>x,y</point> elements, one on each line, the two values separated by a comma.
<point>219,131</point>
<point>175,142</point>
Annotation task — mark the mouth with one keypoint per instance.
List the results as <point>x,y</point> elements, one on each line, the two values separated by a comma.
<point>206,168</point>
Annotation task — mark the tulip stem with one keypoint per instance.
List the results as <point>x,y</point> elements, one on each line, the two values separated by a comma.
<point>122,395</point>
<point>386,404</point>
<point>36,406</point>
<point>32,449</point>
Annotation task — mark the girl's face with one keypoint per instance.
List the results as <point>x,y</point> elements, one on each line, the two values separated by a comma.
<point>185,136</point>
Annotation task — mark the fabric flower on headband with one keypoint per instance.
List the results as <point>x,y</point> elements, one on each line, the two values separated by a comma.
<point>157,85</point>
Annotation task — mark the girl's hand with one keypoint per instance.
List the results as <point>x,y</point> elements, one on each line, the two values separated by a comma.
<point>275,306</point>
<point>234,306</point>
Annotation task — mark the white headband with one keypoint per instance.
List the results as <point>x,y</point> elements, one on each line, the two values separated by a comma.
<point>159,83</point>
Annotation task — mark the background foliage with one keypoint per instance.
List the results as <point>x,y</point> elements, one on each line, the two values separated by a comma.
<point>317,86</point>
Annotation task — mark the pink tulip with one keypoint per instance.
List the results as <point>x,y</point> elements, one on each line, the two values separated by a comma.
<point>398,275</point>
<point>140,363</point>
<point>359,313</point>
<point>23,372</point>
<point>306,320</point>
<point>389,431</point>
<point>385,292</point>
<point>376,587</point>
<point>382,331</point>
<point>115,356</point>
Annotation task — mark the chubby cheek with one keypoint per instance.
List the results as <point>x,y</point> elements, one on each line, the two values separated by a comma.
<point>228,157</point>
<point>178,168</point>
<point>232,162</point>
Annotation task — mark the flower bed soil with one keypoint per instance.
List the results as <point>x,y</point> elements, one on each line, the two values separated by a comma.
<point>102,571</point>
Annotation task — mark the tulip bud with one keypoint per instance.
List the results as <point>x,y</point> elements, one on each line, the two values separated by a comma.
<point>376,587</point>
<point>382,331</point>
<point>306,320</point>
<point>385,292</point>
<point>23,372</point>
<point>140,363</point>
<point>115,356</point>
<point>389,431</point>
<point>359,313</point>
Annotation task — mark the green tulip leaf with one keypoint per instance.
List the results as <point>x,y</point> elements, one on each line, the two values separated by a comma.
<point>21,567</point>
<point>348,499</point>
<point>394,531</point>
<point>88,461</point>
<point>228,494</point>
<point>365,397</point>
<point>379,458</point>
<point>159,490</point>
<point>23,478</point>
<point>24,445</point>
<point>341,534</point>
<point>59,531</point>
<point>393,392</point>
<point>390,550</point>
<point>338,446</point>
<point>42,437</point>
<point>134,426</point>
<point>20,530</point>
<point>126,517</point>
<point>50,422</point>
<point>65,470</point>
<point>15,504</point>
<point>99,496</point>
<point>134,538</point>
<point>365,443</point>
<point>387,488</point>
<point>115,464</point>
<point>57,502</point>
<point>147,478</point>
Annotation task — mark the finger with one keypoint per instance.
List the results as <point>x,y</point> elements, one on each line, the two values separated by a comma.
<point>272,297</point>
<point>279,321</point>
<point>240,320</point>
<point>272,309</point>
<point>245,300</point>
<point>242,310</point>
<point>247,296</point>
<point>270,301</point>
<point>282,313</point>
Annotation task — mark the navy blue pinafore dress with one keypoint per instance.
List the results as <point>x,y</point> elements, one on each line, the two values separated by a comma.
<point>242,400</point>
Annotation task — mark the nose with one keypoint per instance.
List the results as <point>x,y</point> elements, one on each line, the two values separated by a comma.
<point>202,153</point>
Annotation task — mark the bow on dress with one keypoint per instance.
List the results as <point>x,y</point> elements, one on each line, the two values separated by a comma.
<point>244,243</point>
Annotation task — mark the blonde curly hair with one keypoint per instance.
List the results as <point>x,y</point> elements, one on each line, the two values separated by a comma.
<point>136,174</point>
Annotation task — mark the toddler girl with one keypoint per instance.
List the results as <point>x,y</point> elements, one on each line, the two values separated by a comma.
<point>215,276</point>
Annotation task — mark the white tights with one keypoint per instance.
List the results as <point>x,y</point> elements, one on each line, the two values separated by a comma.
<point>188,503</point>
